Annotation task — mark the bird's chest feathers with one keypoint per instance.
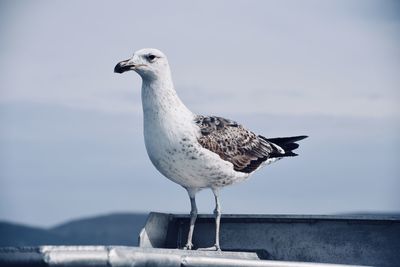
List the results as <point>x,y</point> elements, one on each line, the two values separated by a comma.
<point>165,131</point>
<point>168,127</point>
<point>167,145</point>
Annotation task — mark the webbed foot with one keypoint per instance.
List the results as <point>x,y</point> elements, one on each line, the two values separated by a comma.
<point>188,246</point>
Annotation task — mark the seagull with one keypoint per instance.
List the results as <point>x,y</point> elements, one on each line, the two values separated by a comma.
<point>196,151</point>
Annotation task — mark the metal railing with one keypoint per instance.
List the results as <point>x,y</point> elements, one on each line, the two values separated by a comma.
<point>109,256</point>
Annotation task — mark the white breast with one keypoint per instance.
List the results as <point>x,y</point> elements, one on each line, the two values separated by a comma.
<point>171,142</point>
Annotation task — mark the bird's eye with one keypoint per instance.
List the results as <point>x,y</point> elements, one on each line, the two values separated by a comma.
<point>151,57</point>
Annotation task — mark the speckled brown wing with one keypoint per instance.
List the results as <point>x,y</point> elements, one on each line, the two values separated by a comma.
<point>233,143</point>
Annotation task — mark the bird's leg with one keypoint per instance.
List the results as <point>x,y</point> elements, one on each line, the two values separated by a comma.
<point>193,216</point>
<point>217,214</point>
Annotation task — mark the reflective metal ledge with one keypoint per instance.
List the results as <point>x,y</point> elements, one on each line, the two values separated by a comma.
<point>110,256</point>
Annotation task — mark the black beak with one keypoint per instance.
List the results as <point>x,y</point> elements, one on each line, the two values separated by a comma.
<point>123,66</point>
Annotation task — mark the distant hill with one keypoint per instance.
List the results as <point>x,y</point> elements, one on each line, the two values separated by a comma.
<point>21,235</point>
<point>114,229</point>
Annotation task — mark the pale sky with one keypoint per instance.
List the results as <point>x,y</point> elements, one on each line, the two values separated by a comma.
<point>71,141</point>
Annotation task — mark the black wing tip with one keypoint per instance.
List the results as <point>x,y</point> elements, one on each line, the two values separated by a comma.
<point>285,140</point>
<point>298,138</point>
<point>303,137</point>
<point>287,144</point>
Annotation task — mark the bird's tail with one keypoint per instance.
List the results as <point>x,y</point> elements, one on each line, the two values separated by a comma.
<point>288,144</point>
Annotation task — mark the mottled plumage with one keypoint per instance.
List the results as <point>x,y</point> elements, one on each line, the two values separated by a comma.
<point>241,147</point>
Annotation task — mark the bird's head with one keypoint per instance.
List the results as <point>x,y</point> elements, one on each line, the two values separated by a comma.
<point>149,63</point>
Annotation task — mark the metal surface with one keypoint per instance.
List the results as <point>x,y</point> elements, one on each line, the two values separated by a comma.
<point>83,256</point>
<point>357,240</point>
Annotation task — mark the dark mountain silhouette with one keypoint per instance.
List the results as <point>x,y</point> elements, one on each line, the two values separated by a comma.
<point>114,229</point>
<point>20,235</point>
